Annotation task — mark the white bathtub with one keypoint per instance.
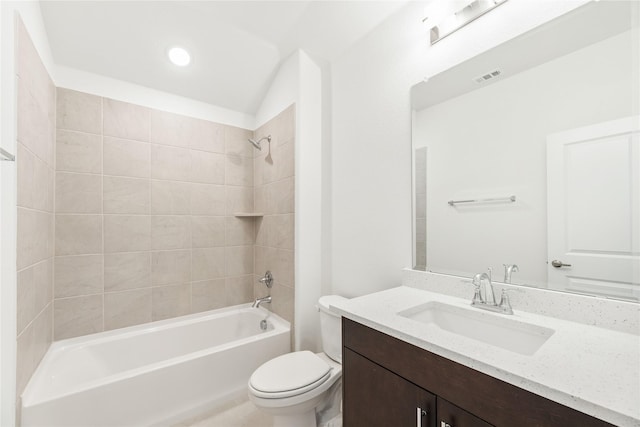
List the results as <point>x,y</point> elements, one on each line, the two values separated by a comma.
<point>152,374</point>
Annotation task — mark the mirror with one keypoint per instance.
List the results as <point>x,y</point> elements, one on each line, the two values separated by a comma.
<point>529,155</point>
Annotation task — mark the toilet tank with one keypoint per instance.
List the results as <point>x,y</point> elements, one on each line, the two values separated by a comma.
<point>331,327</point>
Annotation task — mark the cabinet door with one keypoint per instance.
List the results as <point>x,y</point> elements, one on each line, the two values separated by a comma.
<point>449,415</point>
<point>374,396</point>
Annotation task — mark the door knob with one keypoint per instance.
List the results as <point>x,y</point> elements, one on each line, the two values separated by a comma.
<point>557,264</point>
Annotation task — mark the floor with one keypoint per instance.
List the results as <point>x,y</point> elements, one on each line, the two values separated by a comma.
<point>238,413</point>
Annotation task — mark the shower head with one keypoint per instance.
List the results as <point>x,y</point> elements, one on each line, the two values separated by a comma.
<point>257,143</point>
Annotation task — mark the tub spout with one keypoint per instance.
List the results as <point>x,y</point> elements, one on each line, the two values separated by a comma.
<point>259,301</point>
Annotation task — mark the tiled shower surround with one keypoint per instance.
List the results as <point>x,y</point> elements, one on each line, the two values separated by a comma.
<point>144,215</point>
<point>35,198</point>
<point>126,214</point>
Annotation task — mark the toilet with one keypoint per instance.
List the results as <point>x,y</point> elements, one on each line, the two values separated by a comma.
<point>295,386</point>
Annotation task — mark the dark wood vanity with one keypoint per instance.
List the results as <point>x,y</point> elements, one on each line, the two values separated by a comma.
<point>390,383</point>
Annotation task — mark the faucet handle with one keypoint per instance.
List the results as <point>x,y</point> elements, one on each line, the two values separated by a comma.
<point>505,303</point>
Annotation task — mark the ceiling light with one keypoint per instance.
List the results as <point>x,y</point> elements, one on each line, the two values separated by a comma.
<point>179,56</point>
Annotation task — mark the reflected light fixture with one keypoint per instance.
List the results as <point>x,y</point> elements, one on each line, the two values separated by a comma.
<point>179,56</point>
<point>444,17</point>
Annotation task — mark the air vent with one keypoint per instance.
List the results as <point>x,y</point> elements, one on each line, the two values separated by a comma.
<point>487,76</point>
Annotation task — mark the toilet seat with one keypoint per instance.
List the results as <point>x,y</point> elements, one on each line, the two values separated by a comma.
<point>289,375</point>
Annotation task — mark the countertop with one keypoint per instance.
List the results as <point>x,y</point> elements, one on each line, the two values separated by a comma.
<point>587,368</point>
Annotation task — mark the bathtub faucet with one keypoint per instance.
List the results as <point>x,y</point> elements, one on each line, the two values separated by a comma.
<point>259,301</point>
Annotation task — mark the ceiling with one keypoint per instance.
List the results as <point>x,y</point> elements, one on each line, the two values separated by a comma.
<point>236,46</point>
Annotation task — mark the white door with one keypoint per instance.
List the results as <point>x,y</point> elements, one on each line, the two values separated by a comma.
<point>593,196</point>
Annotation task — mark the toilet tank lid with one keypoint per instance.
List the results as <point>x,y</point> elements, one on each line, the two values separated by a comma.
<point>328,300</point>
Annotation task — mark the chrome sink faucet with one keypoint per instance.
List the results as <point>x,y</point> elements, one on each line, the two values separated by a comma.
<point>484,296</point>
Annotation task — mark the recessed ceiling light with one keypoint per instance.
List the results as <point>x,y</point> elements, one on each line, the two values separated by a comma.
<point>179,56</point>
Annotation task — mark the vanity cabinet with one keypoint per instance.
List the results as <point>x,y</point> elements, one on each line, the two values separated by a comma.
<point>389,382</point>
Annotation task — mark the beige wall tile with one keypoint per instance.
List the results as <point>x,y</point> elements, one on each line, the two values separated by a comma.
<point>260,199</point>
<point>25,306</point>
<point>34,182</point>
<point>127,233</point>
<point>239,199</point>
<point>35,129</point>
<point>207,168</point>
<point>207,136</point>
<point>170,267</point>
<point>78,234</point>
<point>25,165</point>
<point>79,111</point>
<point>259,259</point>
<point>170,129</point>
<point>238,170</point>
<point>126,195</point>
<point>43,284</point>
<point>208,295</point>
<point>170,232</point>
<point>258,171</point>
<point>239,290</point>
<point>78,152</point>
<point>78,193</point>
<point>42,333</point>
<point>263,226</point>
<point>77,316</point>
<point>207,264</point>
<point>208,199</point>
<point>78,275</point>
<point>236,141</point>
<point>127,121</point>
<point>208,231</point>
<point>128,308</point>
<point>172,163</point>
<point>127,158</point>
<point>283,162</point>
<point>280,196</point>
<point>25,363</point>
<point>239,260</point>
<point>170,197</point>
<point>29,67</point>
<point>283,301</point>
<point>239,231</point>
<point>125,271</point>
<point>171,301</point>
<point>284,267</point>
<point>281,234</point>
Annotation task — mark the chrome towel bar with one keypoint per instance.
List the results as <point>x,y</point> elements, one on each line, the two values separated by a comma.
<point>497,199</point>
<point>5,155</point>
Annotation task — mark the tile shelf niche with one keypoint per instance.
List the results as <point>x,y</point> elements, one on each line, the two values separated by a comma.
<point>248,214</point>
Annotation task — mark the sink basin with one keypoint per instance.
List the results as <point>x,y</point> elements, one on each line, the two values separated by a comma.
<point>494,329</point>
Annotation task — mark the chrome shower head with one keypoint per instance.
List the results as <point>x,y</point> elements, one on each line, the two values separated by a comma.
<point>257,143</point>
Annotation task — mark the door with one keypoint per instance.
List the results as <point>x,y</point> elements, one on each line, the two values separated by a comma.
<point>374,396</point>
<point>593,196</point>
<point>449,415</point>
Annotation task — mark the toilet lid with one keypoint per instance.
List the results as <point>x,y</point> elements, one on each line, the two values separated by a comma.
<point>290,374</point>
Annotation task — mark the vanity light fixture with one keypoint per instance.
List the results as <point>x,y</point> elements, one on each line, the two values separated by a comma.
<point>445,17</point>
<point>179,56</point>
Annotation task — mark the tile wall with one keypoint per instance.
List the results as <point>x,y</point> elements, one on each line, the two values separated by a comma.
<point>36,100</point>
<point>145,225</point>
<point>274,178</point>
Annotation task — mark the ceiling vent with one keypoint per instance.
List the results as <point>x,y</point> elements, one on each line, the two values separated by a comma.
<point>487,76</point>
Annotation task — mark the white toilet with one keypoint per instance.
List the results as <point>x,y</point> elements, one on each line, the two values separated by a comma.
<point>292,387</point>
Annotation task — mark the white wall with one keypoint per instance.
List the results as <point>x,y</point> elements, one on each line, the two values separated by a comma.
<point>128,92</point>
<point>32,18</point>
<point>371,124</point>
<point>299,81</point>
<point>469,158</point>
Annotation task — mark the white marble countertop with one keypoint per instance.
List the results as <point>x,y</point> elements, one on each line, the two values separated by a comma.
<point>591,369</point>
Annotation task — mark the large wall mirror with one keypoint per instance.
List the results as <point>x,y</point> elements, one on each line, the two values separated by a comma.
<point>529,155</point>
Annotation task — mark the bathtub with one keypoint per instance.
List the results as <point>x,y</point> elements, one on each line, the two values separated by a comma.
<point>153,374</point>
